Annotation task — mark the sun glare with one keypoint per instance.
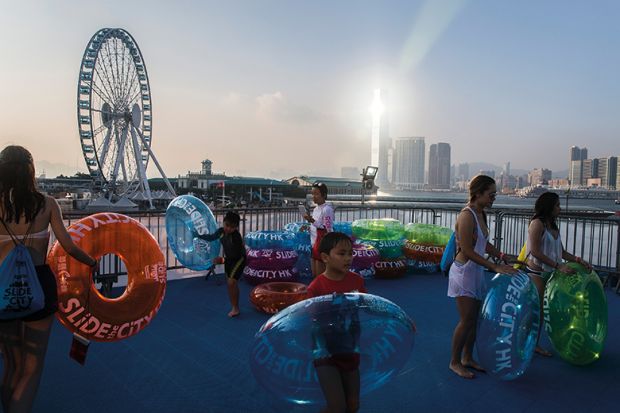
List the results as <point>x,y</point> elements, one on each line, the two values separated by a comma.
<point>377,108</point>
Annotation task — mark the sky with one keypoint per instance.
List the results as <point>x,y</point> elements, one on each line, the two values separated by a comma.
<point>283,88</point>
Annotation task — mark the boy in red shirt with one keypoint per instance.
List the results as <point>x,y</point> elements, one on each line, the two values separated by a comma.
<point>337,366</point>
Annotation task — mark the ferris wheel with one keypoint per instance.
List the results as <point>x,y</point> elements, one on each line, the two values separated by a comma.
<point>114,113</point>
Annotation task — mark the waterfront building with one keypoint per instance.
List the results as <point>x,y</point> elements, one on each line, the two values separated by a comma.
<point>462,172</point>
<point>235,190</point>
<point>575,166</point>
<point>408,161</point>
<point>607,172</point>
<point>439,166</point>
<point>490,173</point>
<point>575,173</point>
<point>618,173</point>
<point>335,186</point>
<point>559,183</point>
<point>200,180</point>
<point>507,183</point>
<point>589,170</point>
<point>539,176</point>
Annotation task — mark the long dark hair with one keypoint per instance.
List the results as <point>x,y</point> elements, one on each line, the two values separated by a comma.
<point>543,208</point>
<point>18,188</point>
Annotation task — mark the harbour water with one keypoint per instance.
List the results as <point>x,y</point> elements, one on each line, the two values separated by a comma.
<point>502,201</point>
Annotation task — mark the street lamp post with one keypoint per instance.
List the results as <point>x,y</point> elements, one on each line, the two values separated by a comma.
<point>368,179</point>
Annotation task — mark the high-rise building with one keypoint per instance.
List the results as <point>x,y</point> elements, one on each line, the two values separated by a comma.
<point>490,173</point>
<point>589,170</point>
<point>575,173</point>
<point>618,174</point>
<point>575,166</point>
<point>439,166</point>
<point>408,162</point>
<point>380,138</point>
<point>462,172</point>
<point>607,172</point>
<point>540,176</point>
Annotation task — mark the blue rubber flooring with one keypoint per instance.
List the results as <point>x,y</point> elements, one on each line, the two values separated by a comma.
<point>193,358</point>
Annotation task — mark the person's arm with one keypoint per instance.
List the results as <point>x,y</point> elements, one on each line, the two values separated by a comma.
<point>573,258</point>
<point>63,237</point>
<point>466,226</point>
<point>497,254</point>
<point>212,237</point>
<point>318,222</point>
<point>328,218</point>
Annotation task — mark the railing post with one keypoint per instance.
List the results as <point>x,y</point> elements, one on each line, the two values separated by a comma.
<point>618,249</point>
<point>499,220</point>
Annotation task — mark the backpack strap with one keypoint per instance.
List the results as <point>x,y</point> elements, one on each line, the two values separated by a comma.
<point>12,234</point>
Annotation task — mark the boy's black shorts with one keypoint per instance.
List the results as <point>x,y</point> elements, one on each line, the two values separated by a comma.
<point>234,269</point>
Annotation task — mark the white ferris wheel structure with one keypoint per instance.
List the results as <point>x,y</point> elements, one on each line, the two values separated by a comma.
<point>114,114</point>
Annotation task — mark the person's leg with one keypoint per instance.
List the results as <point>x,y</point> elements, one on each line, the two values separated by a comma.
<point>333,389</point>
<point>351,384</point>
<point>233,295</point>
<point>467,312</point>
<point>10,345</point>
<point>540,283</point>
<point>36,336</point>
<point>467,357</point>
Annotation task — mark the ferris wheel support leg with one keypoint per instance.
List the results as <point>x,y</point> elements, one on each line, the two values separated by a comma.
<point>144,183</point>
<point>119,156</point>
<point>159,168</point>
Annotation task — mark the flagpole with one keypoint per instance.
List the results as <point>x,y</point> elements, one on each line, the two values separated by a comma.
<point>223,192</point>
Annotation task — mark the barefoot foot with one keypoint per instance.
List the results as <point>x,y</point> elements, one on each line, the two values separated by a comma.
<point>234,312</point>
<point>461,371</point>
<point>473,365</point>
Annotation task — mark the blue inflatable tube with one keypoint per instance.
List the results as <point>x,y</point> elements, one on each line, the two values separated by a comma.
<point>365,327</point>
<point>508,326</point>
<point>282,240</point>
<point>188,218</point>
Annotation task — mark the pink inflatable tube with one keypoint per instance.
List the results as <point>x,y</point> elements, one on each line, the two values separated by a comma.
<point>271,259</point>
<point>364,256</point>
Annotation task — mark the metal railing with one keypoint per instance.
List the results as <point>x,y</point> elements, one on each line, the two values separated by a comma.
<point>590,236</point>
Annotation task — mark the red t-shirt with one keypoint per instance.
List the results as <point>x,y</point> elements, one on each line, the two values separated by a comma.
<point>322,285</point>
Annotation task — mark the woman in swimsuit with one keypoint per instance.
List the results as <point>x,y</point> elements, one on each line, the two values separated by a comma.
<point>545,250</point>
<point>26,214</point>
<point>466,282</point>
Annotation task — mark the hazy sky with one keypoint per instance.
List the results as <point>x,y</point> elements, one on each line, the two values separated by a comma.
<point>280,88</point>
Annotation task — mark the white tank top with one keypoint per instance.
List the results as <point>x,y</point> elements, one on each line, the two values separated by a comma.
<point>551,247</point>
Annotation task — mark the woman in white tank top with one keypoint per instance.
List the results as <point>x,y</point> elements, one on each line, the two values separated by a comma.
<point>466,282</point>
<point>545,251</point>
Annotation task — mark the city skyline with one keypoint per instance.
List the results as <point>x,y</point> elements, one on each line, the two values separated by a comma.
<point>261,91</point>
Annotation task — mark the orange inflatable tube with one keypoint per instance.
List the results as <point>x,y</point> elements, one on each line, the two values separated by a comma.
<point>275,296</point>
<point>81,308</point>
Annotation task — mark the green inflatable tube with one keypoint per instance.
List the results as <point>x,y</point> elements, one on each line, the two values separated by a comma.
<point>384,229</point>
<point>575,310</point>
<point>428,234</point>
